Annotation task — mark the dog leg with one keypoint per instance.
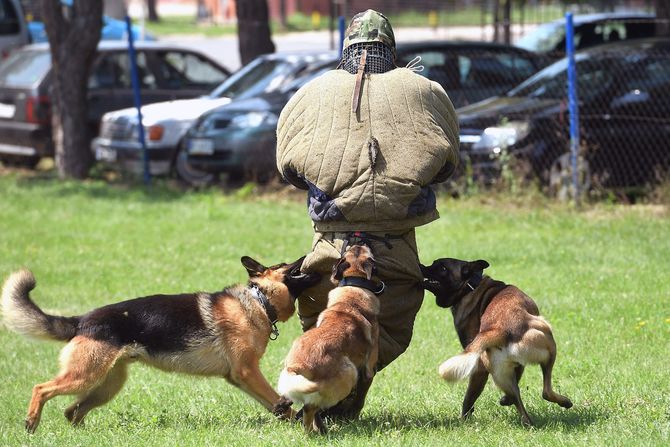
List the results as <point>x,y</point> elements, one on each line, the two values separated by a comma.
<point>247,376</point>
<point>85,363</point>
<point>508,400</point>
<point>311,420</point>
<point>547,392</point>
<point>476,385</point>
<point>504,377</point>
<point>98,396</point>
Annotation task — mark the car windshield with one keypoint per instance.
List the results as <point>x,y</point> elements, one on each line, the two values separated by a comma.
<point>544,38</point>
<point>594,75</point>
<point>259,76</point>
<point>25,68</point>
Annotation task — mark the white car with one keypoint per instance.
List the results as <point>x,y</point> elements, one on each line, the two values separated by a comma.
<point>166,123</point>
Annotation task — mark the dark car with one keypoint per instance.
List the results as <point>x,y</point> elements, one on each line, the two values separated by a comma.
<point>239,138</point>
<point>590,30</point>
<point>165,72</point>
<point>624,110</point>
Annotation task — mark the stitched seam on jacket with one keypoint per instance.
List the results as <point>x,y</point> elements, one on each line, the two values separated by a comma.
<point>311,144</point>
<point>330,132</point>
<point>339,168</point>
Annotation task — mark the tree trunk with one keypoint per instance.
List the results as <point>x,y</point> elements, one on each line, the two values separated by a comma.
<point>74,33</point>
<point>507,21</point>
<point>496,20</point>
<point>253,29</point>
<point>152,11</point>
<point>663,14</point>
<point>115,9</point>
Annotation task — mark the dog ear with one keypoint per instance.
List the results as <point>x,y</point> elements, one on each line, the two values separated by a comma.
<point>369,267</point>
<point>479,264</point>
<point>254,268</point>
<point>470,268</point>
<point>339,268</point>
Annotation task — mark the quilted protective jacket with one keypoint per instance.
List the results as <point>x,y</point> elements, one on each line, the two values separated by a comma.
<point>369,170</point>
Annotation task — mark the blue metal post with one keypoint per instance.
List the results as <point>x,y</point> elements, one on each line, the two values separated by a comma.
<point>340,21</point>
<point>573,103</point>
<point>138,100</point>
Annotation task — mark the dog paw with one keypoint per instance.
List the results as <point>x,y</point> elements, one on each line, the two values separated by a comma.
<point>282,409</point>
<point>567,403</point>
<point>31,425</point>
<point>506,401</point>
<point>526,422</point>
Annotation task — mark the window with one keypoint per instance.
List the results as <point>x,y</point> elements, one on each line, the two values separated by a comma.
<point>25,68</point>
<point>112,70</point>
<point>180,69</point>
<point>9,19</point>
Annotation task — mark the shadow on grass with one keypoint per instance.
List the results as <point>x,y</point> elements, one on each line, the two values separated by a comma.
<point>160,190</point>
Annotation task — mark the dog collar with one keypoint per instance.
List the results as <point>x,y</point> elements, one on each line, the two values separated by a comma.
<point>355,281</point>
<point>271,312</point>
<point>474,282</point>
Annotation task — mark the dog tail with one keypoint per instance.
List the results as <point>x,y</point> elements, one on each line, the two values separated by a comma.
<point>291,382</point>
<point>22,315</point>
<point>464,364</point>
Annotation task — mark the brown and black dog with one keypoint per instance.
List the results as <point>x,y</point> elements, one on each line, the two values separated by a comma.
<point>500,328</point>
<point>325,363</point>
<point>210,334</point>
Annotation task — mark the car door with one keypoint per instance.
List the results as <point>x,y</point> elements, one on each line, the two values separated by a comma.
<point>629,141</point>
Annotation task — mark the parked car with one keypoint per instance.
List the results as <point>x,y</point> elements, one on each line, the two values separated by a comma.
<point>112,29</point>
<point>624,105</point>
<point>166,72</point>
<point>239,138</point>
<point>13,27</point>
<point>590,30</point>
<point>118,144</point>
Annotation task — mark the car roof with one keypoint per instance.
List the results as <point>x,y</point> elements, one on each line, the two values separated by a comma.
<point>632,44</point>
<point>458,45</point>
<point>113,45</point>
<point>603,16</point>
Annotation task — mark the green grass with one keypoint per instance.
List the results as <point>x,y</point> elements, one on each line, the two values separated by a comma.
<point>175,25</point>
<point>600,276</point>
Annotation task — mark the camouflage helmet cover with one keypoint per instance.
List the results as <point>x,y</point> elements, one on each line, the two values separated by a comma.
<point>369,26</point>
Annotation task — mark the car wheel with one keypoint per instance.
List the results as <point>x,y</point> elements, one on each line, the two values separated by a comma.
<point>189,174</point>
<point>19,161</point>
<point>561,181</point>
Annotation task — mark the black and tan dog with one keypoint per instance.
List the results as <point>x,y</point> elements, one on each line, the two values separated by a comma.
<point>211,334</point>
<point>500,328</point>
<point>325,363</point>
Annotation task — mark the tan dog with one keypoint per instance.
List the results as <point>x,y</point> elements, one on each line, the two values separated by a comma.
<point>500,328</point>
<point>324,364</point>
<point>210,334</point>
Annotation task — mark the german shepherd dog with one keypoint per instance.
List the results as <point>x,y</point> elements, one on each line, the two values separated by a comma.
<point>324,363</point>
<point>500,328</point>
<point>209,334</point>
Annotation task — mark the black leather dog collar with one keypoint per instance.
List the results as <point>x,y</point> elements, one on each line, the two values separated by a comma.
<point>271,312</point>
<point>355,281</point>
<point>474,282</point>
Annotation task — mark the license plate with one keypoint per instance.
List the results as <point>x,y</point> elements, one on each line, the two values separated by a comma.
<point>201,146</point>
<point>104,154</point>
<point>7,111</point>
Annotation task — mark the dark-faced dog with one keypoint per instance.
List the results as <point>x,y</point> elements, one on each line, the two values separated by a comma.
<point>500,328</point>
<point>324,364</point>
<point>211,334</point>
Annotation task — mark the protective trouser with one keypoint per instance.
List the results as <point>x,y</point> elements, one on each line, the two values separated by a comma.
<point>397,263</point>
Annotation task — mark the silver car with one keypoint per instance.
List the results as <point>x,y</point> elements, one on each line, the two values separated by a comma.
<point>13,27</point>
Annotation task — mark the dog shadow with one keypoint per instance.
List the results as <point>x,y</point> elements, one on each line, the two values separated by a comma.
<point>576,419</point>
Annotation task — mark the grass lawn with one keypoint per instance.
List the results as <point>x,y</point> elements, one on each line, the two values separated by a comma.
<point>600,276</point>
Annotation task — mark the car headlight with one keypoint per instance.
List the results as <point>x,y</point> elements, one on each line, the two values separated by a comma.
<point>151,133</point>
<point>497,138</point>
<point>254,119</point>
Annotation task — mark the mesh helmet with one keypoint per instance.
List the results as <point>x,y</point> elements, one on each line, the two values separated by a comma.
<point>369,26</point>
